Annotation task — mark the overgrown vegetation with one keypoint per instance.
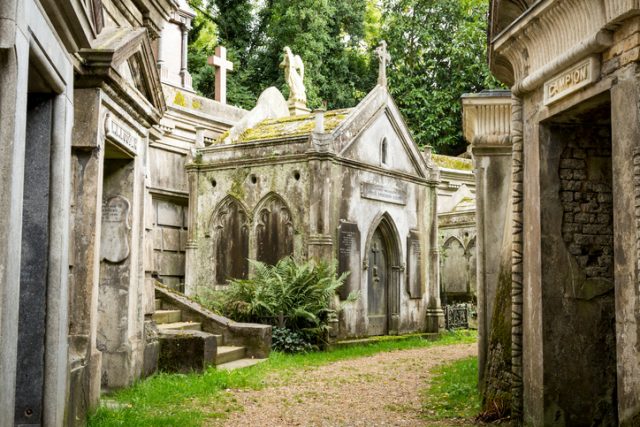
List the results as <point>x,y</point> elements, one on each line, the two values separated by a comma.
<point>190,400</point>
<point>453,392</point>
<point>290,295</point>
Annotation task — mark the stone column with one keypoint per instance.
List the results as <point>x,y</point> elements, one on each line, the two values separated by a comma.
<point>625,98</point>
<point>486,123</point>
<point>183,62</point>
<point>191,249</point>
<point>14,65</point>
<point>435,315</point>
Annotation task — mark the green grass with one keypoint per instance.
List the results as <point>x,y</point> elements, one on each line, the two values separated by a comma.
<point>453,392</point>
<point>189,400</point>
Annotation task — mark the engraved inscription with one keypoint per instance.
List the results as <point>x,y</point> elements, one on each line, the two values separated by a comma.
<point>114,239</point>
<point>384,194</point>
<point>348,255</point>
<point>570,81</point>
<point>118,133</point>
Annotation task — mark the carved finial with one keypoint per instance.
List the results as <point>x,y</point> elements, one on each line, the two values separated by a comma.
<point>384,57</point>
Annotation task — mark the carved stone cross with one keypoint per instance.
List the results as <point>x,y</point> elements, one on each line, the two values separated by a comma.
<point>384,57</point>
<point>220,63</point>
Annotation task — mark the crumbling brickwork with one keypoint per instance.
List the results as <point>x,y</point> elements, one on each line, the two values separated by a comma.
<point>585,193</point>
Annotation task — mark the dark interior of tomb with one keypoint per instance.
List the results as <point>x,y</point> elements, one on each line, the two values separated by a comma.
<point>577,266</point>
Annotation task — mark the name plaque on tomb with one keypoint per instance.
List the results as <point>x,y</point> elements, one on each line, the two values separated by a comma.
<point>394,195</point>
<point>121,134</point>
<point>348,255</point>
<point>572,80</point>
<point>414,265</point>
<point>114,239</point>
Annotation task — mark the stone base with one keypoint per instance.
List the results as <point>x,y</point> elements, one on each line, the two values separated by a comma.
<point>435,320</point>
<point>186,351</point>
<point>297,108</point>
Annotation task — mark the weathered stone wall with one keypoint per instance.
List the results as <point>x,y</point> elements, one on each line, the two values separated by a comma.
<point>577,285</point>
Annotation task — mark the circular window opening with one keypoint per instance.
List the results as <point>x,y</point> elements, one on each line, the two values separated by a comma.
<point>254,179</point>
<point>296,175</point>
<point>214,182</point>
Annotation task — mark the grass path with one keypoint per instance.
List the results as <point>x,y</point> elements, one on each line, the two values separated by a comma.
<point>376,384</point>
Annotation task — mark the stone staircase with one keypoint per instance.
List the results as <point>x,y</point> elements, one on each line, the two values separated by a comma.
<point>192,338</point>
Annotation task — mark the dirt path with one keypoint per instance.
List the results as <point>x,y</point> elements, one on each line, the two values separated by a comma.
<point>380,390</point>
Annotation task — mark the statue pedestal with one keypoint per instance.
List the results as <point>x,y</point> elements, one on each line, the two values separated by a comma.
<point>297,108</point>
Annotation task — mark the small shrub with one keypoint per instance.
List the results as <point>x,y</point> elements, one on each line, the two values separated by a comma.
<point>288,341</point>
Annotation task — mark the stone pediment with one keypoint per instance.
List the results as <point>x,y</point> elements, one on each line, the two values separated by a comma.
<point>375,134</point>
<point>122,58</point>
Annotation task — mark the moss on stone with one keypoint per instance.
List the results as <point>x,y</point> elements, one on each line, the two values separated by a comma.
<point>237,183</point>
<point>293,126</point>
<point>449,162</point>
<point>196,105</point>
<point>179,99</point>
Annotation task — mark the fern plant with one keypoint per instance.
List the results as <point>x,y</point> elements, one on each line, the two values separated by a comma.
<point>295,296</point>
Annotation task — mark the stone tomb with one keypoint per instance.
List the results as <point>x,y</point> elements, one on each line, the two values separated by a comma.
<point>347,185</point>
<point>570,282</point>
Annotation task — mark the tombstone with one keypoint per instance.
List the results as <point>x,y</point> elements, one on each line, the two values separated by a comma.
<point>348,256</point>
<point>114,240</point>
<point>414,265</point>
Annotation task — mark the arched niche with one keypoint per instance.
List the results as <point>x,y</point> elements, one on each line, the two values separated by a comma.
<point>274,231</point>
<point>229,226</point>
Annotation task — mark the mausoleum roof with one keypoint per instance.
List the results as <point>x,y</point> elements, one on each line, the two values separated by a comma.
<point>449,162</point>
<point>290,127</point>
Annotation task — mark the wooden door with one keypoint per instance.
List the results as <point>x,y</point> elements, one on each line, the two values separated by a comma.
<point>378,288</point>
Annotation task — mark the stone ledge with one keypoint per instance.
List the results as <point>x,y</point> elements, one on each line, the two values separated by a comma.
<point>255,337</point>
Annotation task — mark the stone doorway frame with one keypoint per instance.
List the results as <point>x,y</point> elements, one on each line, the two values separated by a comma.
<point>393,246</point>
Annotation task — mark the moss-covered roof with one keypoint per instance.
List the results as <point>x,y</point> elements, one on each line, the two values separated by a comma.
<point>449,162</point>
<point>293,126</point>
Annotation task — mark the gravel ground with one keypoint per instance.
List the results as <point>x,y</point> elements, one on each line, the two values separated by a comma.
<point>380,390</point>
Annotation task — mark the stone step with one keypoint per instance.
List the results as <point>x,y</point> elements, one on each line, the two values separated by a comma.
<point>219,339</point>
<point>186,350</point>
<point>194,326</point>
<point>227,354</point>
<point>158,304</point>
<point>167,316</point>
<point>240,363</point>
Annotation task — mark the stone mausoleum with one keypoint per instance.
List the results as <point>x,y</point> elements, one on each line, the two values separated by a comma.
<point>350,185</point>
<point>566,293</point>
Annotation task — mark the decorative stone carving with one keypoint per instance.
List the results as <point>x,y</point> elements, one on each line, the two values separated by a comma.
<point>231,241</point>
<point>274,230</point>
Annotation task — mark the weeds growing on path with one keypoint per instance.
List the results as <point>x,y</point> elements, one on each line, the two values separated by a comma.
<point>189,400</point>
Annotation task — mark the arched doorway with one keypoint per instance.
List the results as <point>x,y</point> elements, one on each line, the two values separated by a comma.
<point>383,280</point>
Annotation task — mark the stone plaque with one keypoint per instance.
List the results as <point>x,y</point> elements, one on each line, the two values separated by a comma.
<point>348,255</point>
<point>384,194</point>
<point>121,134</point>
<point>570,81</point>
<point>114,241</point>
<point>414,265</point>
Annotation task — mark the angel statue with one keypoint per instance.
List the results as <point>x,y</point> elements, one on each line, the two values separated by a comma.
<point>294,75</point>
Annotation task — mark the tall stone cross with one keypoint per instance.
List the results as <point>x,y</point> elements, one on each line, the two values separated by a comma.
<point>384,57</point>
<point>220,63</point>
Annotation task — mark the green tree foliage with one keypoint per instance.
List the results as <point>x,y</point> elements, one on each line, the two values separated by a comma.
<point>438,50</point>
